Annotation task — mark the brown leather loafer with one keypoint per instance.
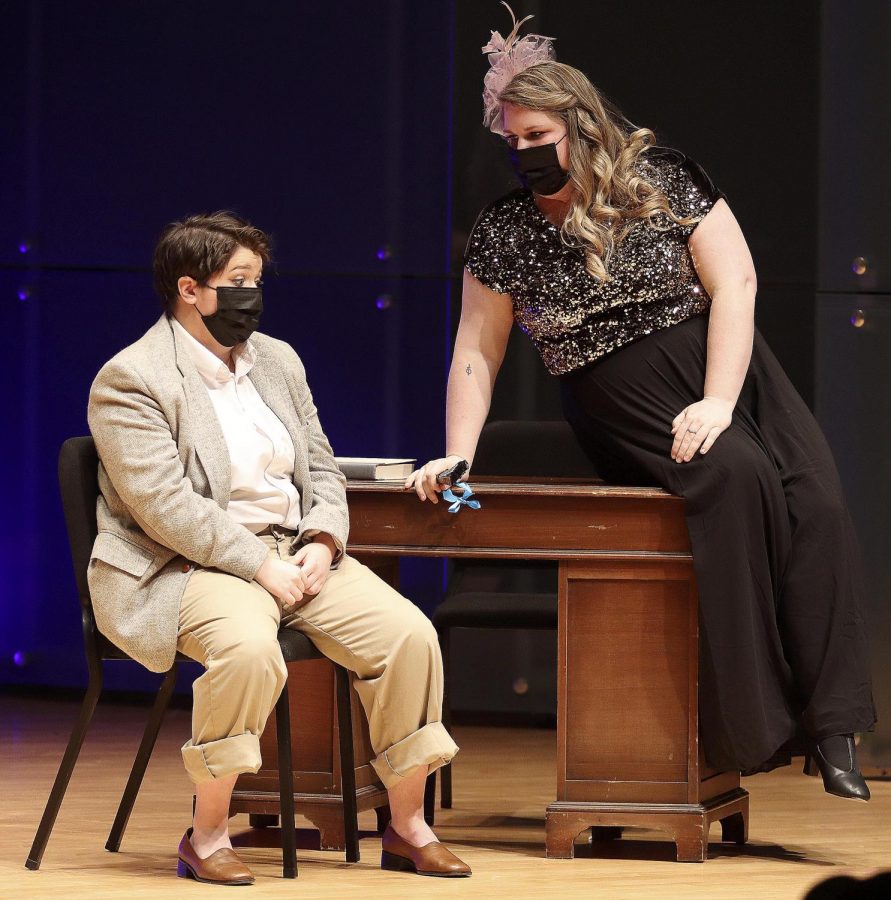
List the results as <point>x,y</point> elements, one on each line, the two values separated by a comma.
<point>221,867</point>
<point>433,859</point>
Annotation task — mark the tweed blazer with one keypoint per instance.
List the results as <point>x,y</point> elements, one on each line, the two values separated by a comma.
<point>165,479</point>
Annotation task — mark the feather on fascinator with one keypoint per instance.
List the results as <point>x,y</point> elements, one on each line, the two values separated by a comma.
<point>507,57</point>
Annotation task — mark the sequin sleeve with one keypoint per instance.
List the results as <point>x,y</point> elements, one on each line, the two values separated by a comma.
<point>686,185</point>
<point>487,255</point>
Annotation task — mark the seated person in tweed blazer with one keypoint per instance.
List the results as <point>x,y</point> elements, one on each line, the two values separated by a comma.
<point>222,517</point>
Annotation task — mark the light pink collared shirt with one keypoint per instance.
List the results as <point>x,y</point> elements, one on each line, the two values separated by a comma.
<point>261,451</point>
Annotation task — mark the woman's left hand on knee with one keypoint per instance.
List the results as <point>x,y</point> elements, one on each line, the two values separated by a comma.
<point>698,426</point>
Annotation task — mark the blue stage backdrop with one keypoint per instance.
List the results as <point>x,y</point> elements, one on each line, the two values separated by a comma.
<point>339,127</point>
<point>326,124</point>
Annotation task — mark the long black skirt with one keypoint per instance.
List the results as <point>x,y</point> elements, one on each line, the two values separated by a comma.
<point>783,643</point>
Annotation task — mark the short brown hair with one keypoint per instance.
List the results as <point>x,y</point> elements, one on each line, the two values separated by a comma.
<point>198,246</point>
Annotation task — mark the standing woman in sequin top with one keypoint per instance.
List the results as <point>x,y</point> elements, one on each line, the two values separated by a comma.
<point>627,269</point>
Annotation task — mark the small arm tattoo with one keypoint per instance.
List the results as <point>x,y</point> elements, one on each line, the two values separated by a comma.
<point>468,370</point>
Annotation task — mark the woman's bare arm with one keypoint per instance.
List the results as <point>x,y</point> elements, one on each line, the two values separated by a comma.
<point>486,319</point>
<point>725,268</point>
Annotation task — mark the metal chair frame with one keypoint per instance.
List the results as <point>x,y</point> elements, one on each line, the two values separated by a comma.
<point>79,494</point>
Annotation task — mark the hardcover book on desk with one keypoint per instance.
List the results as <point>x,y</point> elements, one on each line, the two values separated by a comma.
<point>375,468</point>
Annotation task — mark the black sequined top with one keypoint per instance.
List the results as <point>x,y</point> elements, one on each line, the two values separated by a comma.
<point>572,318</point>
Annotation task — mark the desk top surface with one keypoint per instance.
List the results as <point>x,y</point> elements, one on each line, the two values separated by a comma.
<point>544,487</point>
<point>550,519</point>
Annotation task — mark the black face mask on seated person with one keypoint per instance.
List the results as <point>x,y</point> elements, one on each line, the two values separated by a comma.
<point>539,168</point>
<point>237,316</point>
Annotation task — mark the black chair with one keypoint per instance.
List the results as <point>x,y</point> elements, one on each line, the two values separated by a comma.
<point>78,479</point>
<point>507,593</point>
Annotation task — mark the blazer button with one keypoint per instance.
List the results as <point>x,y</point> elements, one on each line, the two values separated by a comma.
<point>186,567</point>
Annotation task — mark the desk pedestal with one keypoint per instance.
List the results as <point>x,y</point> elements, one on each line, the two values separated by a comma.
<point>628,749</point>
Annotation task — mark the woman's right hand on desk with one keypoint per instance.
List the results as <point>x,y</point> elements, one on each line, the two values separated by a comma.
<point>424,481</point>
<point>283,580</point>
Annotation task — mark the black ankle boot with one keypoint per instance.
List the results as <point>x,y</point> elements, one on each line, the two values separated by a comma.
<point>842,782</point>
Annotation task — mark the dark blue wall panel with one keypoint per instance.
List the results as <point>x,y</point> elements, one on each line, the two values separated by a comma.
<point>149,111</point>
<point>326,125</point>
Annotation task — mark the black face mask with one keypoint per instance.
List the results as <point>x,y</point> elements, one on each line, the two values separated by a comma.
<point>237,316</point>
<point>539,169</point>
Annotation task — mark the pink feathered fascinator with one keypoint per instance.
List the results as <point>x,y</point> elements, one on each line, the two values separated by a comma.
<point>507,57</point>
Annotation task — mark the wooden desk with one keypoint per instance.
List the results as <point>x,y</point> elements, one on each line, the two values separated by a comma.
<point>627,705</point>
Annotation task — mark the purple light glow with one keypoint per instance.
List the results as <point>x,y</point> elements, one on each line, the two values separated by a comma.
<point>384,253</point>
<point>19,658</point>
<point>384,301</point>
<point>24,294</point>
<point>24,247</point>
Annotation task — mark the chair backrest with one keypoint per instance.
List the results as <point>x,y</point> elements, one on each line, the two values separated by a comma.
<point>545,449</point>
<point>79,486</point>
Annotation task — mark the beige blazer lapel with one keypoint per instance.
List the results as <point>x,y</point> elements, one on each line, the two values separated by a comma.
<point>207,436</point>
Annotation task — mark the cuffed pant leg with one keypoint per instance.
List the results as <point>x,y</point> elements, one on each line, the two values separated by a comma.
<point>363,624</point>
<point>230,626</point>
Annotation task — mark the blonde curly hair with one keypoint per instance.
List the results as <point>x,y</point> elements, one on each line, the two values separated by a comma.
<point>609,198</point>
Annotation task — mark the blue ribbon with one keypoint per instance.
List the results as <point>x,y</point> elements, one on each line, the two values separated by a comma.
<point>462,500</point>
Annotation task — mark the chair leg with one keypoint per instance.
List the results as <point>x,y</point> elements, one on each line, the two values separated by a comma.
<point>286,785</point>
<point>60,785</point>
<point>430,799</point>
<point>445,772</point>
<point>347,764</point>
<point>382,814</point>
<point>146,746</point>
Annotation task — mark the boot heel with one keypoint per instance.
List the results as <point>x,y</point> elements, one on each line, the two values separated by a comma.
<point>846,783</point>
<point>396,863</point>
<point>182,870</point>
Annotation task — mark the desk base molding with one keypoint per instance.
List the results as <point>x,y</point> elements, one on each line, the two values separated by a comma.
<point>686,823</point>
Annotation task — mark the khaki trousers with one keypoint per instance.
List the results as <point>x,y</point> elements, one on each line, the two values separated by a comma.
<point>357,620</point>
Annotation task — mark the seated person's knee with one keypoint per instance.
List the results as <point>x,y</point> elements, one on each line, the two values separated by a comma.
<point>258,657</point>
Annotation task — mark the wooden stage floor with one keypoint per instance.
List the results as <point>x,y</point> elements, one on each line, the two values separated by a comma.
<point>504,779</point>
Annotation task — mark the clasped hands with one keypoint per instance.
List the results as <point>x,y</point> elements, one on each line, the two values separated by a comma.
<point>698,426</point>
<point>289,581</point>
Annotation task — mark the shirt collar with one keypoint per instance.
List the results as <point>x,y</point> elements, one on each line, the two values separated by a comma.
<point>211,368</point>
